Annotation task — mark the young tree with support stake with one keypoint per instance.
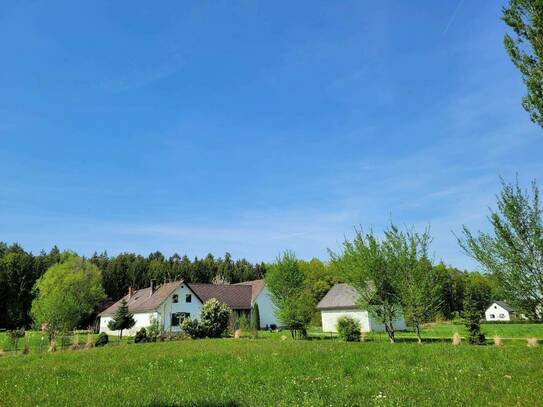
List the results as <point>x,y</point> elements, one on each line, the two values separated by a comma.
<point>122,319</point>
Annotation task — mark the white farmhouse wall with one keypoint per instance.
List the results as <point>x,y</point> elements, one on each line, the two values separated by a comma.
<point>330,317</point>
<point>497,313</point>
<point>266,309</point>
<point>143,320</point>
<point>168,308</point>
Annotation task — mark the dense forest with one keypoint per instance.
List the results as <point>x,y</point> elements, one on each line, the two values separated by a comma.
<point>19,271</point>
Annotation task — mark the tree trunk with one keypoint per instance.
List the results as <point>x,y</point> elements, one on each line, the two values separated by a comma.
<point>390,331</point>
<point>417,330</point>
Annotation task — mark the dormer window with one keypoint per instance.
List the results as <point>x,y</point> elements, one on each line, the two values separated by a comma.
<point>175,299</point>
<point>188,298</point>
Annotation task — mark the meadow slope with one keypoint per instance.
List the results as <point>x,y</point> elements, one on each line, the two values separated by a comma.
<point>270,372</point>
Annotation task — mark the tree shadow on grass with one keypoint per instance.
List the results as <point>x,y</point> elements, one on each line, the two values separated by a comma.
<point>202,403</point>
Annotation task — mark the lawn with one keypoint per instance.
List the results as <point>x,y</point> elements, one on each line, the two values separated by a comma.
<point>272,372</point>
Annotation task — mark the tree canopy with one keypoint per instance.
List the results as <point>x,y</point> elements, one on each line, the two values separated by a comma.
<point>67,293</point>
<point>286,283</point>
<point>525,48</point>
<point>122,319</point>
<point>513,251</point>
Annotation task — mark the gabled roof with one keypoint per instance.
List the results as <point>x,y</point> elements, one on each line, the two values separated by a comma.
<point>143,300</point>
<point>340,296</point>
<point>235,296</point>
<point>504,305</point>
<point>256,287</point>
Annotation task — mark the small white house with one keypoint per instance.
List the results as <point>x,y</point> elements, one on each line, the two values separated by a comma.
<point>341,301</point>
<point>499,311</point>
<point>170,303</point>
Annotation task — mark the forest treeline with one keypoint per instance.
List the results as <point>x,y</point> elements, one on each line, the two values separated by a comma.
<point>20,270</point>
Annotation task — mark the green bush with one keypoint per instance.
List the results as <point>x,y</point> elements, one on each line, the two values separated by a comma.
<point>141,336</point>
<point>255,318</point>
<point>102,340</point>
<point>193,328</point>
<point>244,323</point>
<point>154,330</point>
<point>348,329</point>
<point>214,317</point>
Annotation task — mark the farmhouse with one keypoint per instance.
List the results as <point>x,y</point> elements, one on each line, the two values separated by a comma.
<point>499,311</point>
<point>341,301</point>
<point>170,303</point>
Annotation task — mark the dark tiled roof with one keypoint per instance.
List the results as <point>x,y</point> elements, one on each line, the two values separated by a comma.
<point>339,296</point>
<point>505,306</point>
<point>143,301</point>
<point>235,296</point>
<point>256,286</point>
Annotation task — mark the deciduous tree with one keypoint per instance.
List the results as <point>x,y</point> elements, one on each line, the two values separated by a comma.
<point>513,252</point>
<point>525,47</point>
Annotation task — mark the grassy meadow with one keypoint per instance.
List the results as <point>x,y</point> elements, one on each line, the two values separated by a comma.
<point>274,372</point>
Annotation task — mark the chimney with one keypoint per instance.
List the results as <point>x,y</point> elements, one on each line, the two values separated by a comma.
<point>153,286</point>
<point>130,292</point>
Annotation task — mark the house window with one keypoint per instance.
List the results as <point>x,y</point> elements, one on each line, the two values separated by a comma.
<point>188,298</point>
<point>178,317</point>
<point>175,299</point>
<point>502,315</point>
<point>492,316</point>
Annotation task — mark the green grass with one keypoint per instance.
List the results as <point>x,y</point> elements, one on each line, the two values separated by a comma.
<point>447,330</point>
<point>272,372</point>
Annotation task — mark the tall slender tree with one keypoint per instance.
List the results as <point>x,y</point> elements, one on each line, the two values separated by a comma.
<point>525,18</point>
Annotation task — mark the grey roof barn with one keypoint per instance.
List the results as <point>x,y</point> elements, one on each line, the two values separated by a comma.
<point>340,296</point>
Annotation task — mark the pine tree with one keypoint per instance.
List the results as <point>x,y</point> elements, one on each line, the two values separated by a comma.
<point>122,319</point>
<point>255,318</point>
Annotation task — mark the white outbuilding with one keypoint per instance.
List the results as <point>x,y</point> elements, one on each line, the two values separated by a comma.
<point>499,311</point>
<point>341,301</point>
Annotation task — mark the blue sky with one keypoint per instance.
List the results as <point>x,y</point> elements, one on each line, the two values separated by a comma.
<point>249,127</point>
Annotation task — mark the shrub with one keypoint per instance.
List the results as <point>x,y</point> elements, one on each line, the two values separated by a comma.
<point>244,323</point>
<point>141,336</point>
<point>214,317</point>
<point>193,328</point>
<point>153,330</point>
<point>255,318</point>
<point>102,340</point>
<point>348,329</point>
